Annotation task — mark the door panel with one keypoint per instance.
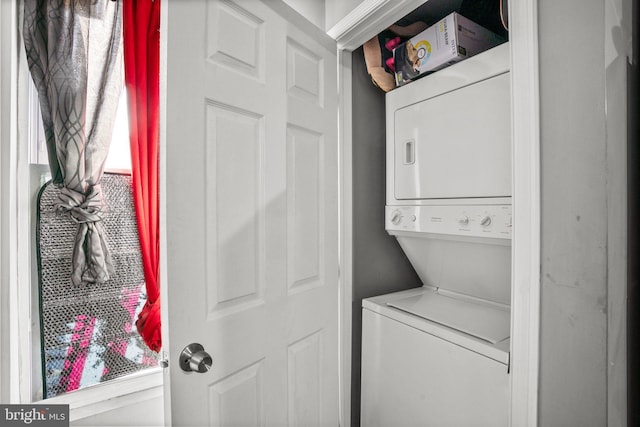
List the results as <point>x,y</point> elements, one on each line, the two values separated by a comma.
<point>305,258</point>
<point>251,216</point>
<point>234,220</point>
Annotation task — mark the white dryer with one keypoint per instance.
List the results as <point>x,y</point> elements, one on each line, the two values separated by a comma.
<point>448,135</point>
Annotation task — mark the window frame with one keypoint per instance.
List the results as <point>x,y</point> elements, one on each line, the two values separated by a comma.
<point>26,158</point>
<point>37,144</point>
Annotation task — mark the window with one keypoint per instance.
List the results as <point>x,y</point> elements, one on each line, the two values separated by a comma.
<point>87,333</point>
<point>119,159</point>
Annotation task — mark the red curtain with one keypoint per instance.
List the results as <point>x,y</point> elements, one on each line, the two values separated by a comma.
<point>141,35</point>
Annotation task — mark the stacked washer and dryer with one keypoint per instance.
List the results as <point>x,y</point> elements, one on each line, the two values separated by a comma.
<point>439,355</point>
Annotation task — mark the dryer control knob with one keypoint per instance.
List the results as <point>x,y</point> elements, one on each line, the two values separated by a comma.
<point>485,221</point>
<point>396,217</point>
<point>463,220</point>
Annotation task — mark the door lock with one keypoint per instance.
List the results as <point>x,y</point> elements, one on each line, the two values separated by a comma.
<point>193,358</point>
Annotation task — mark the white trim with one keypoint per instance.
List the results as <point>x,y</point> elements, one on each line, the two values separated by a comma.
<point>35,134</point>
<point>113,394</point>
<point>3,299</point>
<point>14,359</point>
<point>371,17</point>
<point>21,283</point>
<point>9,357</point>
<point>523,18</point>
<point>368,19</point>
<point>292,16</point>
<point>25,243</point>
<point>345,224</point>
<point>616,87</point>
<point>162,208</point>
<point>360,13</point>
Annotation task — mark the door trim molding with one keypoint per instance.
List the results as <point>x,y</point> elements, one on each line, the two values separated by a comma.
<point>368,19</point>
<point>364,22</point>
<point>15,285</point>
<point>8,242</point>
<point>617,17</point>
<point>345,221</point>
<point>291,15</point>
<point>525,298</point>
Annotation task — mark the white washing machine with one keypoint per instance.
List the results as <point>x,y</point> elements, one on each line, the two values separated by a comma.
<point>419,372</point>
<point>439,355</point>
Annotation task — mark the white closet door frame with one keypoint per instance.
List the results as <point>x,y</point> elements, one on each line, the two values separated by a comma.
<point>368,19</point>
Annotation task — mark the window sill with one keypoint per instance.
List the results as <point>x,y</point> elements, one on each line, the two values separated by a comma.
<point>111,395</point>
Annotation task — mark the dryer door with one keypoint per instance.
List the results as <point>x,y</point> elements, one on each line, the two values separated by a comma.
<point>455,145</point>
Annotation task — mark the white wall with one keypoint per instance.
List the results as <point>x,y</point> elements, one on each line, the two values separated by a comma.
<point>338,9</point>
<point>313,10</point>
<point>323,13</point>
<point>581,166</point>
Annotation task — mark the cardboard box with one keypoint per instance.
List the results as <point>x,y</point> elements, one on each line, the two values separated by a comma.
<point>450,40</point>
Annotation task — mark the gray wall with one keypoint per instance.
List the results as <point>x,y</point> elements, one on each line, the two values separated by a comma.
<point>379,265</point>
<point>573,337</point>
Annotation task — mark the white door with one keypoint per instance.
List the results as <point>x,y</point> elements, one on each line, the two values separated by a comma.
<point>251,216</point>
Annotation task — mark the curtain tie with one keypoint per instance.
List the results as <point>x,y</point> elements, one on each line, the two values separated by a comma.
<point>91,259</point>
<point>82,207</point>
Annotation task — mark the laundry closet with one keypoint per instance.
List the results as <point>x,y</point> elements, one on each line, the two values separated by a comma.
<point>432,227</point>
<point>569,363</point>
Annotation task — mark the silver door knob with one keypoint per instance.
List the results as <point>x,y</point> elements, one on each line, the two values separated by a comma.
<point>193,358</point>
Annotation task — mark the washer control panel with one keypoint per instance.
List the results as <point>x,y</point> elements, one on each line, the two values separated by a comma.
<point>462,220</point>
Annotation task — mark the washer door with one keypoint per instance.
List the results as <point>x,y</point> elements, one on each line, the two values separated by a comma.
<point>412,378</point>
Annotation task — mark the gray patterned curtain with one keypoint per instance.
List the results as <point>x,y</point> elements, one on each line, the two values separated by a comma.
<point>73,49</point>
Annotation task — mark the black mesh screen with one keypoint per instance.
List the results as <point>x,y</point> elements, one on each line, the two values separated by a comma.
<point>88,332</point>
